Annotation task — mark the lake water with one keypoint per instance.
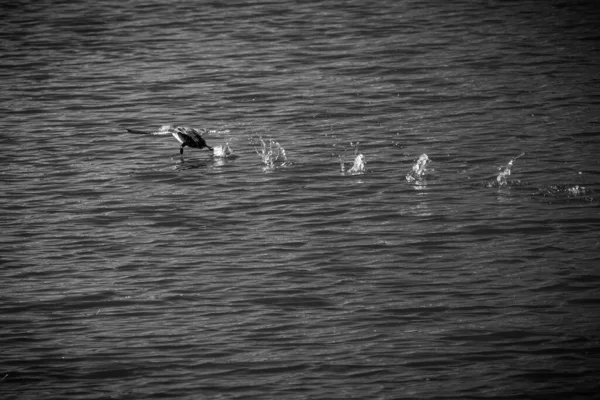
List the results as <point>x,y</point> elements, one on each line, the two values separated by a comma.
<point>280,271</point>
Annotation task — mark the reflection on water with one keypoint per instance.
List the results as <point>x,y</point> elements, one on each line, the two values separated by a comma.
<point>189,163</point>
<point>420,209</point>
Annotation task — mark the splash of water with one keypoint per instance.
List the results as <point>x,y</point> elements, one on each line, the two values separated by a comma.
<point>223,151</point>
<point>359,165</point>
<point>217,131</point>
<point>272,155</point>
<point>578,190</point>
<point>505,171</point>
<point>566,191</point>
<point>418,169</point>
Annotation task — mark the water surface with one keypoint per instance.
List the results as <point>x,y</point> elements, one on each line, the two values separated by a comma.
<point>127,272</point>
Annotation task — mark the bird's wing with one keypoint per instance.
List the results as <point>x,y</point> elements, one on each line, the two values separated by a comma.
<point>164,130</point>
<point>196,137</point>
<point>178,132</point>
<point>179,136</point>
<point>182,133</point>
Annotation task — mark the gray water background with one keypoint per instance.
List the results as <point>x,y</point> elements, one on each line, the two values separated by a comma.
<point>126,272</point>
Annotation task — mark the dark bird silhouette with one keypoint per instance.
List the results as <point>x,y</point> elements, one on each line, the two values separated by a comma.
<point>186,136</point>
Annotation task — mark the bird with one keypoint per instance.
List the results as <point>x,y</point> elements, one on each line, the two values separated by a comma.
<point>186,136</point>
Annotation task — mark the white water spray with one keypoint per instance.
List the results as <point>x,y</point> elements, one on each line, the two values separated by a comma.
<point>359,165</point>
<point>418,169</point>
<point>219,132</point>
<point>223,151</point>
<point>272,155</point>
<point>505,171</point>
<point>567,191</point>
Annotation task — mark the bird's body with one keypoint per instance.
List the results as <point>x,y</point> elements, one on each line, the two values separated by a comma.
<point>186,136</point>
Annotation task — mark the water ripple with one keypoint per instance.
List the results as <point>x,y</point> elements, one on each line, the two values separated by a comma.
<point>129,272</point>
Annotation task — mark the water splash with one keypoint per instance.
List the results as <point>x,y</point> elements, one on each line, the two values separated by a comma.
<point>272,155</point>
<point>359,165</point>
<point>223,151</point>
<point>567,191</point>
<point>218,131</point>
<point>505,171</point>
<point>578,190</point>
<point>418,169</point>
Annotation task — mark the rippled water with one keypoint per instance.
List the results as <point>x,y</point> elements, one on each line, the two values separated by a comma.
<point>128,272</point>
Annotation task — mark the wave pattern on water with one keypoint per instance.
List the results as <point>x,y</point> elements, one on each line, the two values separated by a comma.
<point>261,271</point>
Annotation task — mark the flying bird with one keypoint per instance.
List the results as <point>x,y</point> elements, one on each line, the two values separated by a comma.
<point>186,136</point>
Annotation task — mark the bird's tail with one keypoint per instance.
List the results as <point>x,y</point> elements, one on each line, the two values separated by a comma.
<point>138,132</point>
